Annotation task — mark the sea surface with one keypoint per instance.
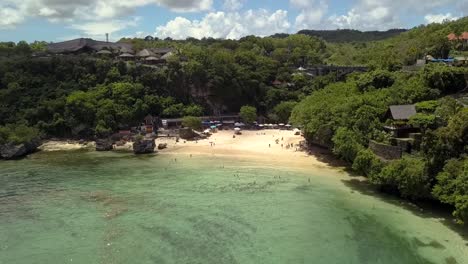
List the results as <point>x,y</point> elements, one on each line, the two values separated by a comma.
<point>90,207</point>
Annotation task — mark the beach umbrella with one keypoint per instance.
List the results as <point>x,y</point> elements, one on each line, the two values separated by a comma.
<point>213,127</point>
<point>288,125</point>
<point>237,129</point>
<point>281,124</point>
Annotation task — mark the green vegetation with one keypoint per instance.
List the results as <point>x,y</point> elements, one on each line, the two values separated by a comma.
<point>283,110</point>
<point>403,49</point>
<point>346,115</point>
<point>192,122</point>
<point>452,186</point>
<point>408,175</point>
<point>350,35</point>
<point>248,114</point>
<point>87,96</point>
<point>18,134</point>
<point>367,163</point>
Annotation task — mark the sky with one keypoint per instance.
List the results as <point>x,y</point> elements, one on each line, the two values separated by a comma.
<point>58,20</point>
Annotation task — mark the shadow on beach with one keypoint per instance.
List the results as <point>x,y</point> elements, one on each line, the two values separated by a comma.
<point>424,209</point>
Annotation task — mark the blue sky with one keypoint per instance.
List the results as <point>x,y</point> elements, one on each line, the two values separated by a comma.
<point>56,20</point>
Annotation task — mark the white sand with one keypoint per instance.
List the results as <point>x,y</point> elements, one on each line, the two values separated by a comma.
<point>251,144</point>
<point>259,145</point>
<point>54,145</point>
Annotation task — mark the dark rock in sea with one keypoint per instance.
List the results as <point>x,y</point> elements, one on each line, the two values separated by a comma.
<point>15,151</point>
<point>144,146</point>
<point>187,133</point>
<point>162,146</point>
<point>104,145</point>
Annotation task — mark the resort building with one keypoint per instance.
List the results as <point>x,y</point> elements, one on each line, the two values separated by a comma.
<point>87,45</point>
<point>399,116</point>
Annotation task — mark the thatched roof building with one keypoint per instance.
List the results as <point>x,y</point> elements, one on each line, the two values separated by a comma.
<point>162,51</point>
<point>104,52</point>
<point>152,58</point>
<point>145,53</point>
<point>401,112</point>
<point>167,56</point>
<point>86,45</point>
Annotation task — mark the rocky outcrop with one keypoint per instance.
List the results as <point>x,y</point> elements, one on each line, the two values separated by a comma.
<point>187,133</point>
<point>162,146</point>
<point>104,145</point>
<point>144,146</point>
<point>16,151</point>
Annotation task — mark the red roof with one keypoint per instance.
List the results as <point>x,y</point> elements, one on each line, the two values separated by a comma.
<point>463,36</point>
<point>452,36</point>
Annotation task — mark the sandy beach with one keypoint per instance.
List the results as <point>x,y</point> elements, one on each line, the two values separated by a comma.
<point>61,145</point>
<point>270,146</point>
<point>267,145</point>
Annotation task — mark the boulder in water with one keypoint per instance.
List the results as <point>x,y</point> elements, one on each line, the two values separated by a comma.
<point>104,145</point>
<point>144,146</point>
<point>15,151</point>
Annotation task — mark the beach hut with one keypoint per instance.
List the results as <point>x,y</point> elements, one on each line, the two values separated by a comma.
<point>144,53</point>
<point>126,56</point>
<point>104,53</point>
<point>167,56</point>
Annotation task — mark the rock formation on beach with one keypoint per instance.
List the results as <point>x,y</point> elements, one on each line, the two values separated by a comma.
<point>187,133</point>
<point>14,151</point>
<point>104,145</point>
<point>162,146</point>
<point>144,146</point>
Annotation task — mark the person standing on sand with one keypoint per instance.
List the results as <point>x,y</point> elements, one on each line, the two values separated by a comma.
<point>269,145</point>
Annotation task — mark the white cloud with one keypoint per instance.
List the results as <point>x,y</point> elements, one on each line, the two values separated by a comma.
<point>233,5</point>
<point>439,18</point>
<point>312,13</point>
<point>231,25</point>
<point>375,19</point>
<point>385,14</point>
<point>16,11</point>
<point>185,5</point>
<point>100,28</point>
<point>9,17</point>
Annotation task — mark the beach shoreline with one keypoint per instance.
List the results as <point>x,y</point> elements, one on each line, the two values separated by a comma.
<point>272,146</point>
